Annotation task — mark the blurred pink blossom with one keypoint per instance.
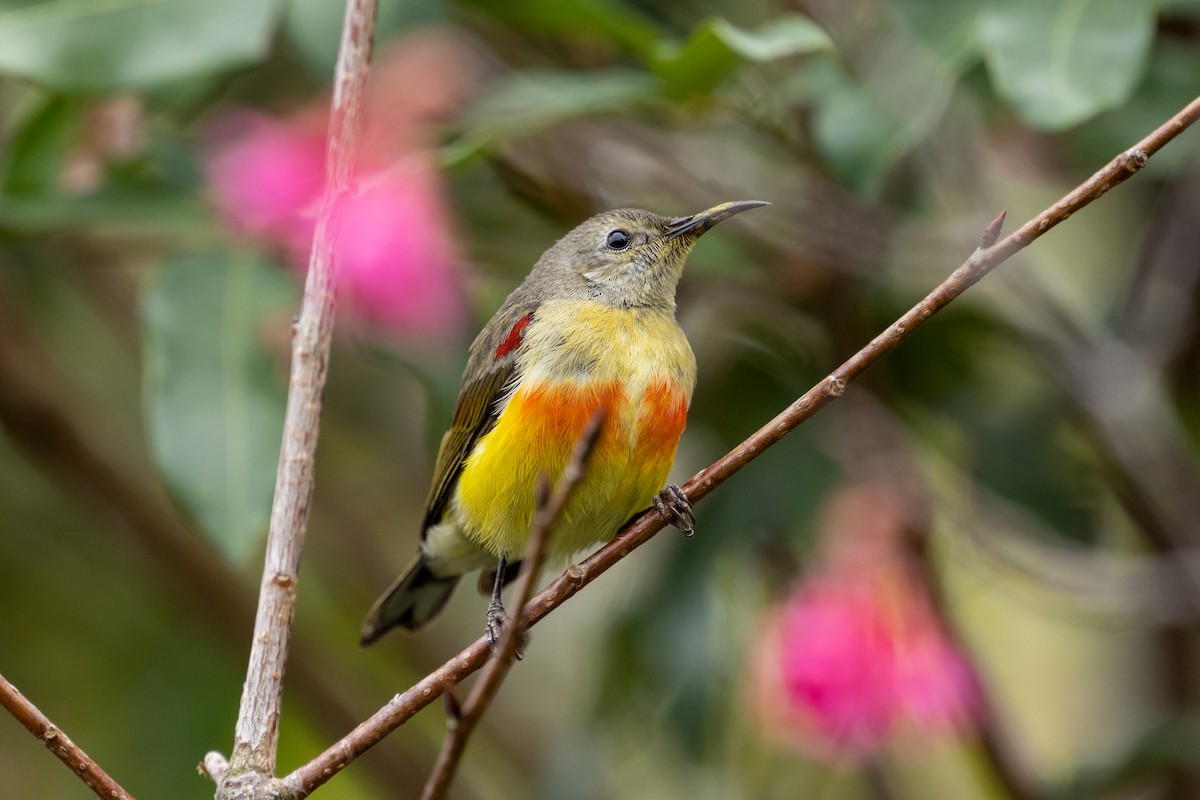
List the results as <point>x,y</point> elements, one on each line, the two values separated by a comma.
<point>858,653</point>
<point>396,256</point>
<point>395,243</point>
<point>862,658</point>
<point>266,172</point>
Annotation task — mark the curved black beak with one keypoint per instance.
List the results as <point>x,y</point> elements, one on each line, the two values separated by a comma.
<point>699,223</point>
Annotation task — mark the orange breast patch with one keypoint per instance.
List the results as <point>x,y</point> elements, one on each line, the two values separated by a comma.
<point>536,433</point>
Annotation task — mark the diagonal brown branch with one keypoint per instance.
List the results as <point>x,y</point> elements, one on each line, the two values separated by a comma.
<point>403,706</point>
<point>549,507</point>
<point>256,734</point>
<point>59,743</point>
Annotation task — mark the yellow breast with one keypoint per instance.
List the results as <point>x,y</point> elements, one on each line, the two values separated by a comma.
<point>579,357</point>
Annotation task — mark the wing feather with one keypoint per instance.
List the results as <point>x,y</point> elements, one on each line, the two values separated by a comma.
<point>494,361</point>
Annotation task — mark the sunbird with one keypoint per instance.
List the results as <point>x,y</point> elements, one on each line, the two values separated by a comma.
<point>591,330</point>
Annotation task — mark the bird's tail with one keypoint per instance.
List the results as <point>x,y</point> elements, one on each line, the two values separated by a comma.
<point>413,600</point>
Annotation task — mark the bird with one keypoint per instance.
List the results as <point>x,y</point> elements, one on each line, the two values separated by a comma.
<point>591,330</point>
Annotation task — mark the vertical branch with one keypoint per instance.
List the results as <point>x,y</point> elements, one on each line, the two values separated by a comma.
<point>257,731</point>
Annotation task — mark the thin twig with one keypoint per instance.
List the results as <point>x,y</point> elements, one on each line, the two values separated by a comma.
<point>549,507</point>
<point>59,743</point>
<point>403,706</point>
<point>257,731</point>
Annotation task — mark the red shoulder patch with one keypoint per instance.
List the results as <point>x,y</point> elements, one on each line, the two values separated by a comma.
<point>513,340</point>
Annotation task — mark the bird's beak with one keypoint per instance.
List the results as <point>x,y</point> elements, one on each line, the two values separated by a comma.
<point>698,223</point>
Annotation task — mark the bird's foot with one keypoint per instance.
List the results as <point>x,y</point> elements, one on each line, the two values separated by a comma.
<point>497,621</point>
<point>675,508</point>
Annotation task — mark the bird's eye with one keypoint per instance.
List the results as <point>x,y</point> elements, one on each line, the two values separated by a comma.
<point>618,240</point>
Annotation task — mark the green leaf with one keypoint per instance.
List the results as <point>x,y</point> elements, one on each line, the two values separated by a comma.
<point>38,150</point>
<point>859,139</point>
<point>864,127</point>
<point>214,395</point>
<point>947,30</point>
<point>609,21</point>
<point>716,48</point>
<point>529,102</point>
<point>1169,85</point>
<point>103,45</point>
<point>1060,63</point>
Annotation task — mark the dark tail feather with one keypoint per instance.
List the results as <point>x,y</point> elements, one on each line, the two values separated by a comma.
<point>413,600</point>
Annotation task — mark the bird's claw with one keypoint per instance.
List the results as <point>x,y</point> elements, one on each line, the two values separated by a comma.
<point>497,621</point>
<point>675,508</point>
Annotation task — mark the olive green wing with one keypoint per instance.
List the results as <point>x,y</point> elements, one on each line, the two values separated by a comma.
<point>494,363</point>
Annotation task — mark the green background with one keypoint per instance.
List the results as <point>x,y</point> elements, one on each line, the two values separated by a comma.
<point>1050,416</point>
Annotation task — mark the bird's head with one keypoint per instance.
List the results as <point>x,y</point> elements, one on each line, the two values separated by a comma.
<point>627,257</point>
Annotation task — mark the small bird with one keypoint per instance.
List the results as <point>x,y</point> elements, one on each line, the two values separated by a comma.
<point>591,330</point>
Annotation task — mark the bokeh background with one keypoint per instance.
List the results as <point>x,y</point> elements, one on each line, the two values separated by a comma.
<point>973,576</point>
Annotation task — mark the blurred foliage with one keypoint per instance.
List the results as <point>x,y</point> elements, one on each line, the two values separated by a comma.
<point>1048,422</point>
<point>214,396</point>
<point>83,46</point>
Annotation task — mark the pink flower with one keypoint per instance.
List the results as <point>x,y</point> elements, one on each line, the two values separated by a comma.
<point>395,246</point>
<point>858,653</point>
<point>835,663</point>
<point>396,256</point>
<point>861,658</point>
<point>266,173</point>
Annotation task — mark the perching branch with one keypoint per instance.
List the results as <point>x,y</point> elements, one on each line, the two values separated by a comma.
<point>256,735</point>
<point>985,258</point>
<point>550,506</point>
<point>59,743</point>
